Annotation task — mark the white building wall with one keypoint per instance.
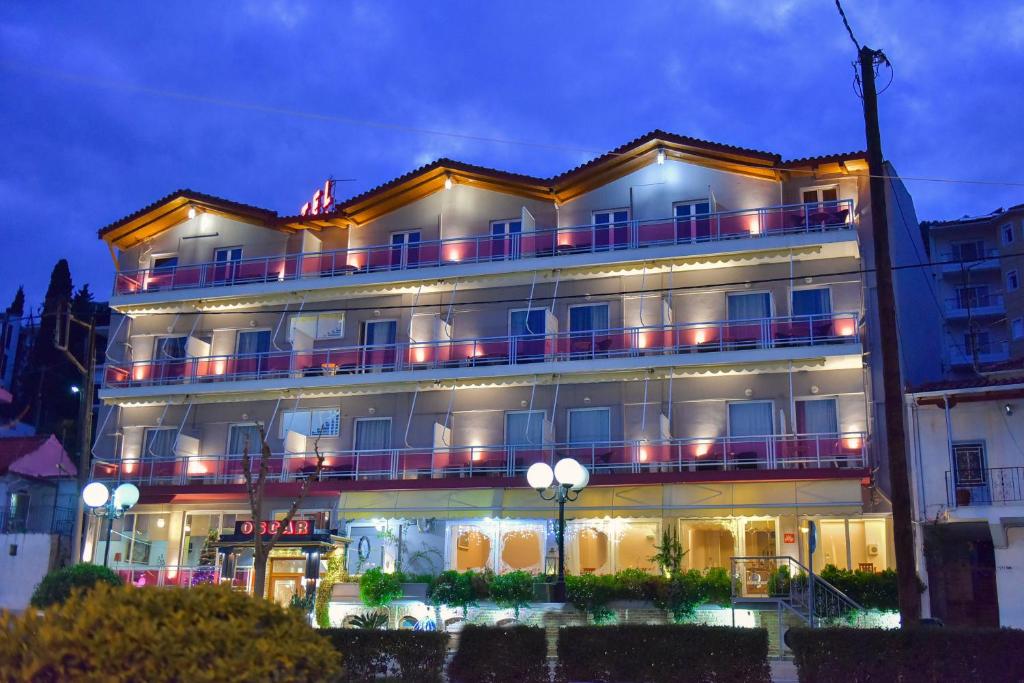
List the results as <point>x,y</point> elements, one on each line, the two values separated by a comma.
<point>24,560</point>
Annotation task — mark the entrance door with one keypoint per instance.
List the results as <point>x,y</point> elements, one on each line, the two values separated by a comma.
<point>286,577</point>
<point>405,250</point>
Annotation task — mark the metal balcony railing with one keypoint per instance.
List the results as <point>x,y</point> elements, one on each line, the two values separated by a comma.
<point>539,243</point>
<point>733,453</point>
<point>733,335</point>
<point>993,486</point>
<point>979,304</point>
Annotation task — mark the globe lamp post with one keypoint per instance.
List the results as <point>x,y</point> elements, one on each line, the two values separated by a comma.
<point>101,503</point>
<point>562,485</point>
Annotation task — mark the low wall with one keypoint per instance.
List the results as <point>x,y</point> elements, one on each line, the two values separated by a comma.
<point>34,556</point>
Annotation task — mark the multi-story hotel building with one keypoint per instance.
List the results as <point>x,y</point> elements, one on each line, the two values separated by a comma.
<point>979,272</point>
<point>691,321</point>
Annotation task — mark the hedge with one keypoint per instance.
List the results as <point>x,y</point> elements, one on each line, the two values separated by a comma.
<point>491,654</point>
<point>872,590</point>
<point>914,655</point>
<point>657,654</point>
<point>416,656</point>
<point>56,587</point>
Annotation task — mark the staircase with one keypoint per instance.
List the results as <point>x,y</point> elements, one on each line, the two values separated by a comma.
<point>782,583</point>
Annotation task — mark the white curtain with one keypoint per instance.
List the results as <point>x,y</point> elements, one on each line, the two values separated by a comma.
<point>812,301</point>
<point>588,318</point>
<point>819,416</point>
<point>589,426</point>
<point>253,342</point>
<point>240,435</point>
<point>373,435</point>
<point>524,428</point>
<point>160,443</point>
<point>752,418</point>
<point>749,306</point>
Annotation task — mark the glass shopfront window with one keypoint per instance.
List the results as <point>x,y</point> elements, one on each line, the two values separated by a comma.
<point>714,542</point>
<point>607,546</point>
<point>200,532</point>
<point>136,540</point>
<point>856,544</point>
<point>500,545</point>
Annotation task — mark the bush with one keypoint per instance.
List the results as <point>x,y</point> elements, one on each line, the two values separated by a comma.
<point>681,595</point>
<point>452,589</point>
<point>636,584</point>
<point>512,590</point>
<point>415,656</point>
<point>656,654</point>
<point>872,590</point>
<point>56,587</point>
<point>377,589</point>
<point>489,654</point>
<point>718,585</point>
<point>592,593</point>
<point>206,633</point>
<point>914,655</point>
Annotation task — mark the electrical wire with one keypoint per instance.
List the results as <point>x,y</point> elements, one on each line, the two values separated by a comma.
<point>846,23</point>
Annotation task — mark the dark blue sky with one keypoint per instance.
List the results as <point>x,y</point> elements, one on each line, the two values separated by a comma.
<point>104,110</point>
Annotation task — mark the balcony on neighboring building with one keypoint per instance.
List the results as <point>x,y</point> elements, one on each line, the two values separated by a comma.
<point>965,261</point>
<point>976,305</point>
<point>846,451</point>
<point>742,228</point>
<point>589,350</point>
<point>987,352</point>
<point>994,486</point>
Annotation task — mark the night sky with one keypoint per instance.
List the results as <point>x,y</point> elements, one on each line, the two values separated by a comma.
<point>105,108</point>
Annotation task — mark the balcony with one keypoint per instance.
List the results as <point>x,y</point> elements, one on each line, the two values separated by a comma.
<point>978,306</point>
<point>722,454</point>
<point>489,352</point>
<point>958,262</point>
<point>747,224</point>
<point>993,352</point>
<point>995,486</point>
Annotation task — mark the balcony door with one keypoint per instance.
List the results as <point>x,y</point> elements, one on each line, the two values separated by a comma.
<point>972,297</point>
<point>611,229</point>
<point>158,443</point>
<point>169,354</point>
<point>524,436</point>
<point>817,416</point>
<point>506,239</point>
<point>588,330</point>
<point>379,337</point>
<point>971,475</point>
<point>590,435</point>
<point>251,347</point>
<point>526,330</point>
<point>749,324</point>
<point>242,436</point>
<point>693,223</point>
<point>225,263</point>
<point>815,301</point>
<point>751,426</point>
<point>405,249</point>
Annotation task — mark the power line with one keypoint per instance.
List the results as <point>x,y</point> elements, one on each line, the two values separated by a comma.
<point>846,23</point>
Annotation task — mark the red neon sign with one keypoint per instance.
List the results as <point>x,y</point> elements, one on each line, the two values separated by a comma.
<point>322,202</point>
<point>296,527</point>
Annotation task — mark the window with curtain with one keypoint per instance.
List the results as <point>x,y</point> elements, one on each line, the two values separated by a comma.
<point>373,434</point>
<point>253,341</point>
<point>588,318</point>
<point>817,416</point>
<point>241,434</point>
<point>749,306</point>
<point>524,427</point>
<point>817,301</point>
<point>523,323</point>
<point>315,422</point>
<point>590,425</point>
<point>379,333</point>
<point>751,418</point>
<point>329,325</point>
<point>159,442</point>
<point>170,348</point>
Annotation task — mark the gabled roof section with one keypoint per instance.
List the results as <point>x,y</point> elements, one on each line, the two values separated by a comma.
<point>170,210</point>
<point>35,456</point>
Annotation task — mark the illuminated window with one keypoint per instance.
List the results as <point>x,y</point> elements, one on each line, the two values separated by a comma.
<point>326,325</point>
<point>313,422</point>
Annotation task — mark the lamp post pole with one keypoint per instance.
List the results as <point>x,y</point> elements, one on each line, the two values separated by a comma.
<point>565,483</point>
<point>104,504</point>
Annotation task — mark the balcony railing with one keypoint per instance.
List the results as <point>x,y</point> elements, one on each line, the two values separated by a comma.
<point>992,352</point>
<point>978,304</point>
<point>732,453</point>
<point>733,335</point>
<point>543,242</point>
<point>181,577</point>
<point>994,486</point>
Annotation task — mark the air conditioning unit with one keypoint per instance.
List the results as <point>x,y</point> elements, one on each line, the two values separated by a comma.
<point>872,549</point>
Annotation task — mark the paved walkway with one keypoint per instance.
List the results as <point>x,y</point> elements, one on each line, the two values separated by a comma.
<point>783,671</point>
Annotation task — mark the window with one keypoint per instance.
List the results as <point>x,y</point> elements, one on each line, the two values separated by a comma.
<point>590,425</point>
<point>1007,233</point>
<point>378,333</point>
<point>227,255</point>
<point>158,442</point>
<point>524,427</point>
<point>588,317</point>
<point>752,306</point>
<point>977,341</point>
<point>242,436</point>
<point>372,434</point>
<point>1017,327</point>
<point>313,422</point>
<point>326,325</point>
<point>165,263</point>
<point>611,228</point>
<point>253,342</point>
<point>969,459</point>
<point>167,348</point>
<point>818,195</point>
<point>972,297</point>
<point>692,221</point>
<point>1012,280</point>
<point>405,249</point>
<point>17,513</point>
<point>505,242</point>
<point>817,416</point>
<point>526,322</point>
<point>816,301</point>
<point>751,418</point>
<point>967,251</point>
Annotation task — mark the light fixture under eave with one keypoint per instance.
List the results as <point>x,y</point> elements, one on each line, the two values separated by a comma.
<point>448,182</point>
<point>192,212</point>
<point>661,157</point>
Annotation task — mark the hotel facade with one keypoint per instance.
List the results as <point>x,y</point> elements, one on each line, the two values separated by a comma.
<point>691,321</point>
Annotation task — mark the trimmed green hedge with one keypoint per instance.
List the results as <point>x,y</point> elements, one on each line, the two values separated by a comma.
<point>872,590</point>
<point>490,654</point>
<point>660,654</point>
<point>914,655</point>
<point>56,587</point>
<point>418,656</point>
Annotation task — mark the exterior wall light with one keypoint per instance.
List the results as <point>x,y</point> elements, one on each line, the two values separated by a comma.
<point>661,157</point>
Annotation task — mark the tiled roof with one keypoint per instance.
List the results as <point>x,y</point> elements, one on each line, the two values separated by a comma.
<point>968,383</point>
<point>197,196</point>
<point>14,447</point>
<point>824,158</point>
<point>973,219</point>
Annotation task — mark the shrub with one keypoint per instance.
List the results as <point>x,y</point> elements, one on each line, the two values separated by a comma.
<point>914,655</point>
<point>415,656</point>
<point>452,589</point>
<point>370,620</point>
<point>718,586</point>
<point>873,590</point>
<point>490,654</point>
<point>206,633</point>
<point>377,589</point>
<point>324,591</point>
<point>512,590</point>
<point>681,595</point>
<point>656,654</point>
<point>56,587</point>
<point>636,584</point>
<point>592,593</point>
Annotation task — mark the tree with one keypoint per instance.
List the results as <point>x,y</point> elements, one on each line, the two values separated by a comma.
<point>256,490</point>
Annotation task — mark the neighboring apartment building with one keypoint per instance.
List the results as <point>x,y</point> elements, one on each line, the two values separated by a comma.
<point>690,320</point>
<point>967,468</point>
<point>979,279</point>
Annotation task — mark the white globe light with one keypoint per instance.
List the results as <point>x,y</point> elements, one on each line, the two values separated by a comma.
<point>584,479</point>
<point>125,496</point>
<point>567,471</point>
<point>95,494</point>
<point>540,475</point>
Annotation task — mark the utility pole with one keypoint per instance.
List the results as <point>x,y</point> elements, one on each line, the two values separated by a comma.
<point>899,479</point>
<point>85,398</point>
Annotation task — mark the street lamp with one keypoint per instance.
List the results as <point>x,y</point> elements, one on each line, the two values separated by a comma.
<point>569,479</point>
<point>101,503</point>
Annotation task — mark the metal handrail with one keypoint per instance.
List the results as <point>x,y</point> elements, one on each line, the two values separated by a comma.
<point>552,241</point>
<point>729,335</point>
<point>847,450</point>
